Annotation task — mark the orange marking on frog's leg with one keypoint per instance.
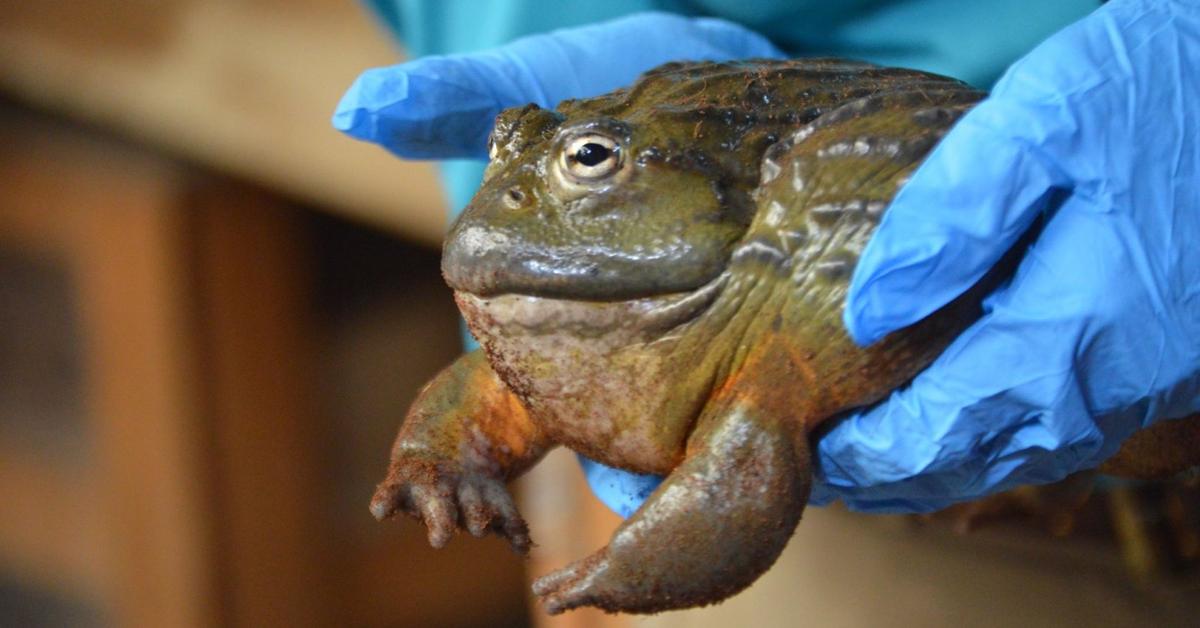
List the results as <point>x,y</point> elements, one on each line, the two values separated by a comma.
<point>714,526</point>
<point>463,438</point>
<point>777,380</point>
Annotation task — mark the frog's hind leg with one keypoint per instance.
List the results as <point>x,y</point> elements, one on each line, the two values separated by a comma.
<point>716,523</point>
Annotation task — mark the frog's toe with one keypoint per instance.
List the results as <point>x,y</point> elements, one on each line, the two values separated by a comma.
<point>487,505</point>
<point>476,513</point>
<point>581,583</point>
<point>438,512</point>
<point>511,525</point>
<point>390,497</point>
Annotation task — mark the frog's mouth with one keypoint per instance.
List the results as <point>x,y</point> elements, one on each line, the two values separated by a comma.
<point>486,261</point>
<point>644,319</point>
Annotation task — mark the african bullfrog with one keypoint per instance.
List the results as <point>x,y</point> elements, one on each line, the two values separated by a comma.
<point>656,277</point>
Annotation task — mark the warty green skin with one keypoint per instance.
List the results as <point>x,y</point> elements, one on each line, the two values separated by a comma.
<point>759,250</point>
<point>680,315</point>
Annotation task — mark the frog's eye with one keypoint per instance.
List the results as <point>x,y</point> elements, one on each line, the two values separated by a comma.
<point>591,157</point>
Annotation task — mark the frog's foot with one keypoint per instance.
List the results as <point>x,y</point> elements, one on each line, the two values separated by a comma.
<point>715,524</point>
<point>446,498</point>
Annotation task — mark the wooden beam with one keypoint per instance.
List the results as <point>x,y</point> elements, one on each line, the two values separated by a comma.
<point>133,278</point>
<point>260,399</point>
<point>111,216</point>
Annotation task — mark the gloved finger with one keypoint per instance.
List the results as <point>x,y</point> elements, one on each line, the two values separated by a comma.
<point>443,107</point>
<point>974,479</point>
<point>1086,100</point>
<point>431,108</point>
<point>1059,118</point>
<point>623,492</point>
<point>971,200</point>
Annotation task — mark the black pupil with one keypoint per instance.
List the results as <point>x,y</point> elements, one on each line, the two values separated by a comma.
<point>592,154</point>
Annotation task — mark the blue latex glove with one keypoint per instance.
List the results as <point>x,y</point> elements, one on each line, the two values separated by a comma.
<point>443,107</point>
<point>1098,333</point>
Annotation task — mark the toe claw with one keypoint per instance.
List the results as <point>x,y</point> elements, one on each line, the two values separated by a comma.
<point>381,509</point>
<point>518,537</point>
<point>553,606</point>
<point>513,527</point>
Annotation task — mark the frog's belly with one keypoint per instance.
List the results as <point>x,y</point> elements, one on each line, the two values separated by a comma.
<point>597,377</point>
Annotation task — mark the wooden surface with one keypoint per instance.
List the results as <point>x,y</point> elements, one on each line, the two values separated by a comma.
<point>181,407</point>
<point>246,86</point>
<point>143,403</point>
<point>112,219</point>
<point>251,274</point>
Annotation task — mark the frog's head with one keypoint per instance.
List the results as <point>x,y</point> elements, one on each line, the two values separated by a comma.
<point>638,193</point>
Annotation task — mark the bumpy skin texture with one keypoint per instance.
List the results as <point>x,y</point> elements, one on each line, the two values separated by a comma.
<point>675,309</point>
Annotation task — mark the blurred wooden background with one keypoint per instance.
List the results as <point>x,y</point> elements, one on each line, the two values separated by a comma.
<point>214,311</point>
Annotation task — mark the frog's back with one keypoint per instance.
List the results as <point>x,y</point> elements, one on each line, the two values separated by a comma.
<point>736,110</point>
<point>857,133</point>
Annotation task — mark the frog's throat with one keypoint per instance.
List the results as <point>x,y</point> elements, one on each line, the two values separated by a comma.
<point>634,320</point>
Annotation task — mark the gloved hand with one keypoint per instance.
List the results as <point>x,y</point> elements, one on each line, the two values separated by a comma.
<point>1097,131</point>
<point>443,107</point>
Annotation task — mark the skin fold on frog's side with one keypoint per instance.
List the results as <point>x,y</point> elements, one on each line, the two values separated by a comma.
<point>656,277</point>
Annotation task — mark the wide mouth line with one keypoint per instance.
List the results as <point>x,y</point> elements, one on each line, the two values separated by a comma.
<point>661,312</point>
<point>489,261</point>
<point>702,291</point>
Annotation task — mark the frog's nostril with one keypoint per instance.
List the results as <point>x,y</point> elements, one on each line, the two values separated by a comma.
<point>515,197</point>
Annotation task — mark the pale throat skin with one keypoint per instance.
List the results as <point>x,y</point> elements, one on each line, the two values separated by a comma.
<point>571,364</point>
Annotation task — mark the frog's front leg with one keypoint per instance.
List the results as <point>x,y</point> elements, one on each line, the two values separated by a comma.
<point>715,524</point>
<point>463,438</point>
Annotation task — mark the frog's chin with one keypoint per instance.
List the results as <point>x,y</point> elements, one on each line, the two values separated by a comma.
<point>641,319</point>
